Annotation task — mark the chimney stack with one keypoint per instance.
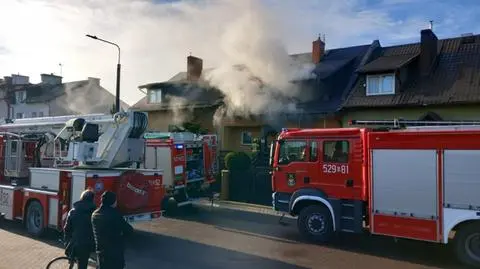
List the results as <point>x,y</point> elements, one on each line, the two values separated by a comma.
<point>428,51</point>
<point>318,50</point>
<point>94,81</point>
<point>51,79</point>
<point>194,68</point>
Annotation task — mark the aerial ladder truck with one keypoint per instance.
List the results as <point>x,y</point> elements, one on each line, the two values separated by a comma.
<point>100,152</point>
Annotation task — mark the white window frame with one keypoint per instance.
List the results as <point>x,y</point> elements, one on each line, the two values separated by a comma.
<point>34,114</point>
<point>382,92</point>
<point>157,93</point>
<point>241,138</point>
<point>20,97</point>
<point>19,113</point>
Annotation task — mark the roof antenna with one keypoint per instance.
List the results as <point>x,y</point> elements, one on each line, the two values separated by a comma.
<point>324,38</point>
<point>431,25</point>
<point>61,69</point>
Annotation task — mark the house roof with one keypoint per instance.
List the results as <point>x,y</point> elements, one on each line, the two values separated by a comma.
<point>70,97</point>
<point>333,74</point>
<point>455,79</point>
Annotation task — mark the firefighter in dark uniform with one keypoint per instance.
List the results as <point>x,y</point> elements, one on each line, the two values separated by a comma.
<point>109,229</point>
<point>78,229</point>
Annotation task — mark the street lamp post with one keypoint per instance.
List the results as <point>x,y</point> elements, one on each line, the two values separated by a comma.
<point>117,98</point>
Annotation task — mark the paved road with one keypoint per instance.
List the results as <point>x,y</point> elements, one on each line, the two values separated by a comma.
<point>220,238</point>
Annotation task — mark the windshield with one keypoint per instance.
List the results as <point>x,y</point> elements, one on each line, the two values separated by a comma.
<point>292,151</point>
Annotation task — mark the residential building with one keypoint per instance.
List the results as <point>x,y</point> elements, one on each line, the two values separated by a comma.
<point>333,77</point>
<point>52,97</point>
<point>429,80</point>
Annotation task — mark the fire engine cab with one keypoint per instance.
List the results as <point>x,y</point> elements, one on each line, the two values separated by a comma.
<point>406,181</point>
<point>45,168</point>
<point>189,162</point>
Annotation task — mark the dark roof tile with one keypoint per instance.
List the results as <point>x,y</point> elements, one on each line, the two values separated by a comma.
<point>454,80</point>
<point>333,74</point>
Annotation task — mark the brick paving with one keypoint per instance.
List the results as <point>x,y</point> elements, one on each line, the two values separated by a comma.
<point>22,252</point>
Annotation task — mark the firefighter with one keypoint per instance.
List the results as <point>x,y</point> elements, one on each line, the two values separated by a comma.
<point>109,229</point>
<point>78,233</point>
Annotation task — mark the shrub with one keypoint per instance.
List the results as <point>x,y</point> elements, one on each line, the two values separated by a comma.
<point>237,161</point>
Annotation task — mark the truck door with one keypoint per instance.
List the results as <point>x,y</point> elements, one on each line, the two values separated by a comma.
<point>340,171</point>
<point>13,158</point>
<point>291,170</point>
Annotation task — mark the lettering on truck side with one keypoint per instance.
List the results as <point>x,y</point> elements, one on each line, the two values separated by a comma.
<point>4,199</point>
<point>136,190</point>
<point>156,182</point>
<point>331,168</point>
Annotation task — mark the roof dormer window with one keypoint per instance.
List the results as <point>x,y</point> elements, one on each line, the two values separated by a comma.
<point>154,96</point>
<point>380,84</point>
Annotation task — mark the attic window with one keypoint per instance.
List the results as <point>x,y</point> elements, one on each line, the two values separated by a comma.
<point>154,96</point>
<point>380,84</point>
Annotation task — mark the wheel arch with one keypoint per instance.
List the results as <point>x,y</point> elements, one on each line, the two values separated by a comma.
<point>456,221</point>
<point>27,204</point>
<point>305,197</point>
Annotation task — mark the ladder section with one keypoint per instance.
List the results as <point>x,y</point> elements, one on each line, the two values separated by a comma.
<point>419,125</point>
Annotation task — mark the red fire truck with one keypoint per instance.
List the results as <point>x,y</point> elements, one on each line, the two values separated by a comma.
<point>45,169</point>
<point>189,162</point>
<point>418,182</point>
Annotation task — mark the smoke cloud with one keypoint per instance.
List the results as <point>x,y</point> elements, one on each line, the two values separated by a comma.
<point>182,111</point>
<point>256,72</point>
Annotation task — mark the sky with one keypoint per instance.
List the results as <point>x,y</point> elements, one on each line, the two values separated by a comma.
<point>156,36</point>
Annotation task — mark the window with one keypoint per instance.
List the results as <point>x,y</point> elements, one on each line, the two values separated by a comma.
<point>292,151</point>
<point>20,97</point>
<point>40,114</point>
<point>154,96</point>
<point>19,116</point>
<point>34,114</point>
<point>336,151</point>
<point>313,151</point>
<point>381,84</point>
<point>247,138</point>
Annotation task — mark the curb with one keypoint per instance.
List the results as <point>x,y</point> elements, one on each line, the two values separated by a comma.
<point>239,206</point>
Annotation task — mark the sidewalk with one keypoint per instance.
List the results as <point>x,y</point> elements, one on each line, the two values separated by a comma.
<point>19,251</point>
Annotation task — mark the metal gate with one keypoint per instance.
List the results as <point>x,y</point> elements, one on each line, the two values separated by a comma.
<point>252,186</point>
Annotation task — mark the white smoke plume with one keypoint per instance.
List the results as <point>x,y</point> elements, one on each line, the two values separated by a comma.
<point>155,37</point>
<point>181,109</point>
<point>255,75</point>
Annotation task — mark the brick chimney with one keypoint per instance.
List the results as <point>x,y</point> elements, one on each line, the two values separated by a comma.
<point>94,81</point>
<point>318,49</point>
<point>428,51</point>
<point>194,68</point>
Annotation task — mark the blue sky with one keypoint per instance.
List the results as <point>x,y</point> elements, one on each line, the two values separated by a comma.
<point>157,35</point>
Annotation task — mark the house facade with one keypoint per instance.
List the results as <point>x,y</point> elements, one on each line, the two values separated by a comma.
<point>430,80</point>
<point>52,97</point>
<point>188,97</point>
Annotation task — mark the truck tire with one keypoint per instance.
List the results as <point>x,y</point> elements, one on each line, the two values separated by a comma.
<point>34,219</point>
<point>315,223</point>
<point>467,244</point>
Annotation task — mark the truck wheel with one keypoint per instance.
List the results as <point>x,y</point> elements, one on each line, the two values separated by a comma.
<point>467,244</point>
<point>315,223</point>
<point>34,219</point>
